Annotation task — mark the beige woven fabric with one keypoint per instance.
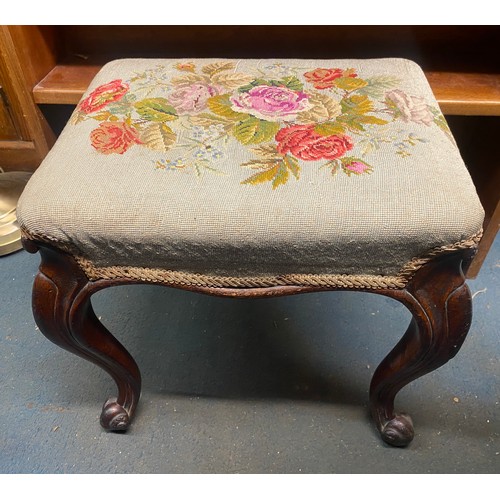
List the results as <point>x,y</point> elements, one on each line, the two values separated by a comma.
<point>249,168</point>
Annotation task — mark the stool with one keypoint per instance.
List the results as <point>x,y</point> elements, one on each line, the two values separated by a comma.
<point>256,178</point>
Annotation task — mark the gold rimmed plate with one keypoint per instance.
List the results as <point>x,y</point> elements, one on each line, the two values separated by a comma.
<point>11,187</point>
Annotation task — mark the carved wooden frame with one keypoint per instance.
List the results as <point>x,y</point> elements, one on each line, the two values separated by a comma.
<point>437,297</point>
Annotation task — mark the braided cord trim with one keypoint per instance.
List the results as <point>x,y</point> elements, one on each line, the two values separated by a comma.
<point>409,269</point>
<point>347,281</point>
<point>204,280</point>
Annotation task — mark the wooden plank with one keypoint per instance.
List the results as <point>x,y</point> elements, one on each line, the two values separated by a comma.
<point>28,145</point>
<point>13,159</point>
<point>466,93</point>
<point>457,93</point>
<point>65,84</point>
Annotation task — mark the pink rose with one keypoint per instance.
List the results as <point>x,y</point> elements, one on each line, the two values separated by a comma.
<point>193,98</point>
<point>409,108</point>
<point>357,167</point>
<point>268,102</point>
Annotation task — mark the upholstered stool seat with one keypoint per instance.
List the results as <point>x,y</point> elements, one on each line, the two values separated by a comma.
<point>281,175</point>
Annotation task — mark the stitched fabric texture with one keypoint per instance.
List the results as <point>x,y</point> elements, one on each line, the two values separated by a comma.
<point>254,167</point>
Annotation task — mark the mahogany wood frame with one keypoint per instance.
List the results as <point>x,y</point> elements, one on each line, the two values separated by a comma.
<point>437,296</point>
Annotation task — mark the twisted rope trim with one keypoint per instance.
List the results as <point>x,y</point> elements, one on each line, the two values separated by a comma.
<point>348,281</point>
<point>409,269</point>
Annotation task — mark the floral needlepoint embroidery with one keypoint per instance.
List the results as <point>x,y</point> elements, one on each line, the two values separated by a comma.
<point>304,143</point>
<point>114,137</point>
<point>323,78</point>
<point>287,117</point>
<point>355,166</point>
<point>269,102</point>
<point>193,98</point>
<point>103,95</point>
<point>187,66</point>
<point>409,108</point>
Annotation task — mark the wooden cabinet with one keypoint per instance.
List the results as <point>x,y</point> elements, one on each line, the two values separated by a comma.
<point>25,135</point>
<point>8,131</point>
<point>49,68</point>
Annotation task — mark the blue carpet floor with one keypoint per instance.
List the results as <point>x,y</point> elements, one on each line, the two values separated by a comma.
<point>244,386</point>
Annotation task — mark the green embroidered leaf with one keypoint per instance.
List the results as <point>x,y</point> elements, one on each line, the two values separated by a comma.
<point>77,117</point>
<point>378,85</point>
<point>292,164</point>
<point>120,108</point>
<point>102,116</point>
<point>221,105</point>
<point>206,119</point>
<point>332,128</point>
<point>356,105</point>
<point>351,123</point>
<point>253,131</point>
<point>333,165</point>
<point>264,175</point>
<point>232,80</point>
<point>281,176</point>
<point>374,120</point>
<point>158,136</point>
<point>393,108</point>
<point>156,109</point>
<point>123,106</point>
<point>138,76</point>
<point>348,83</point>
<point>203,166</point>
<point>275,171</point>
<point>441,122</point>
<point>217,67</point>
<point>267,151</point>
<point>354,109</point>
<point>189,79</point>
<point>323,108</point>
<point>278,174</point>
<point>252,84</point>
<point>291,82</point>
<point>355,122</point>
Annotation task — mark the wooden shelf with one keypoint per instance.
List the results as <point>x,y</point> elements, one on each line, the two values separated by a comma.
<point>457,93</point>
<point>466,93</point>
<point>64,84</point>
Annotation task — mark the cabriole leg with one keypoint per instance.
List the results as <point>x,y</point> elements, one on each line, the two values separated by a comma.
<point>64,314</point>
<point>440,302</point>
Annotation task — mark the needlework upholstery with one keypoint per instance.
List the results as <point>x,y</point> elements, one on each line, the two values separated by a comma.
<point>254,171</point>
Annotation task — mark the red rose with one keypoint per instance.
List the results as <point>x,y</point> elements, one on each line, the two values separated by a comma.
<point>103,95</point>
<point>304,143</point>
<point>323,78</point>
<point>114,137</point>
